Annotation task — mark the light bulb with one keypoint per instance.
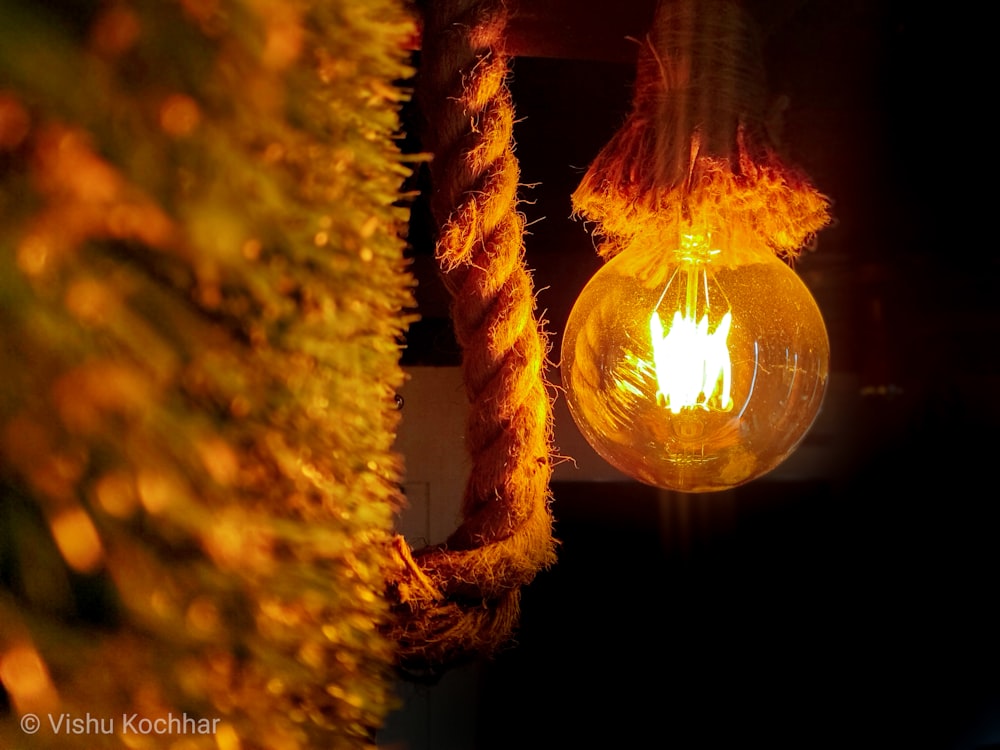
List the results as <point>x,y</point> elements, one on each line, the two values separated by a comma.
<point>695,366</point>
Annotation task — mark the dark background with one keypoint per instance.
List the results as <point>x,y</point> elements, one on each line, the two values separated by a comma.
<point>850,603</point>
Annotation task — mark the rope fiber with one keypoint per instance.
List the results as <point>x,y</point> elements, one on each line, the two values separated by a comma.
<point>462,598</point>
<point>696,145</point>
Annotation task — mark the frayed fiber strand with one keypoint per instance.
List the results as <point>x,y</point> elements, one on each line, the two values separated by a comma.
<point>462,598</point>
<point>694,148</point>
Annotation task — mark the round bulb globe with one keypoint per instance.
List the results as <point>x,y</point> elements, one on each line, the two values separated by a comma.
<point>697,367</point>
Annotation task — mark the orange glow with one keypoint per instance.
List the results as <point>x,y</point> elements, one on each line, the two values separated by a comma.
<point>227,738</point>
<point>696,367</point>
<point>219,460</point>
<point>284,34</point>
<point>179,115</point>
<point>33,254</point>
<point>91,301</point>
<point>116,30</point>
<point>116,494</point>
<point>90,392</point>
<point>236,541</point>
<point>156,490</point>
<point>77,540</point>
<point>692,363</point>
<point>14,122</point>
<point>202,616</point>
<point>26,679</point>
<point>84,196</point>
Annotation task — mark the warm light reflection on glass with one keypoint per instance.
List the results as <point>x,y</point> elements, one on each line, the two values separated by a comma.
<point>696,367</point>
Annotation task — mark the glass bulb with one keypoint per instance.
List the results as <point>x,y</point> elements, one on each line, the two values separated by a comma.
<point>698,366</point>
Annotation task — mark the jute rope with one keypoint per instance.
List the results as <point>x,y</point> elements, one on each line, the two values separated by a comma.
<point>695,147</point>
<point>461,598</point>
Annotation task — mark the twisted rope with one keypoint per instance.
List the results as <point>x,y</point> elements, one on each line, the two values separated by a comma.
<point>696,142</point>
<point>462,597</point>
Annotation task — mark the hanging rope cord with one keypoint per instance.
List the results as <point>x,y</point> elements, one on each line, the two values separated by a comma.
<point>462,597</point>
<point>697,141</point>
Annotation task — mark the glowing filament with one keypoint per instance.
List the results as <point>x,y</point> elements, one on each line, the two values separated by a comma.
<point>692,364</point>
<point>695,366</point>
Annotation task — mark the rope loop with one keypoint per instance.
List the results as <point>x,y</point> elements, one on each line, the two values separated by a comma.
<point>461,598</point>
